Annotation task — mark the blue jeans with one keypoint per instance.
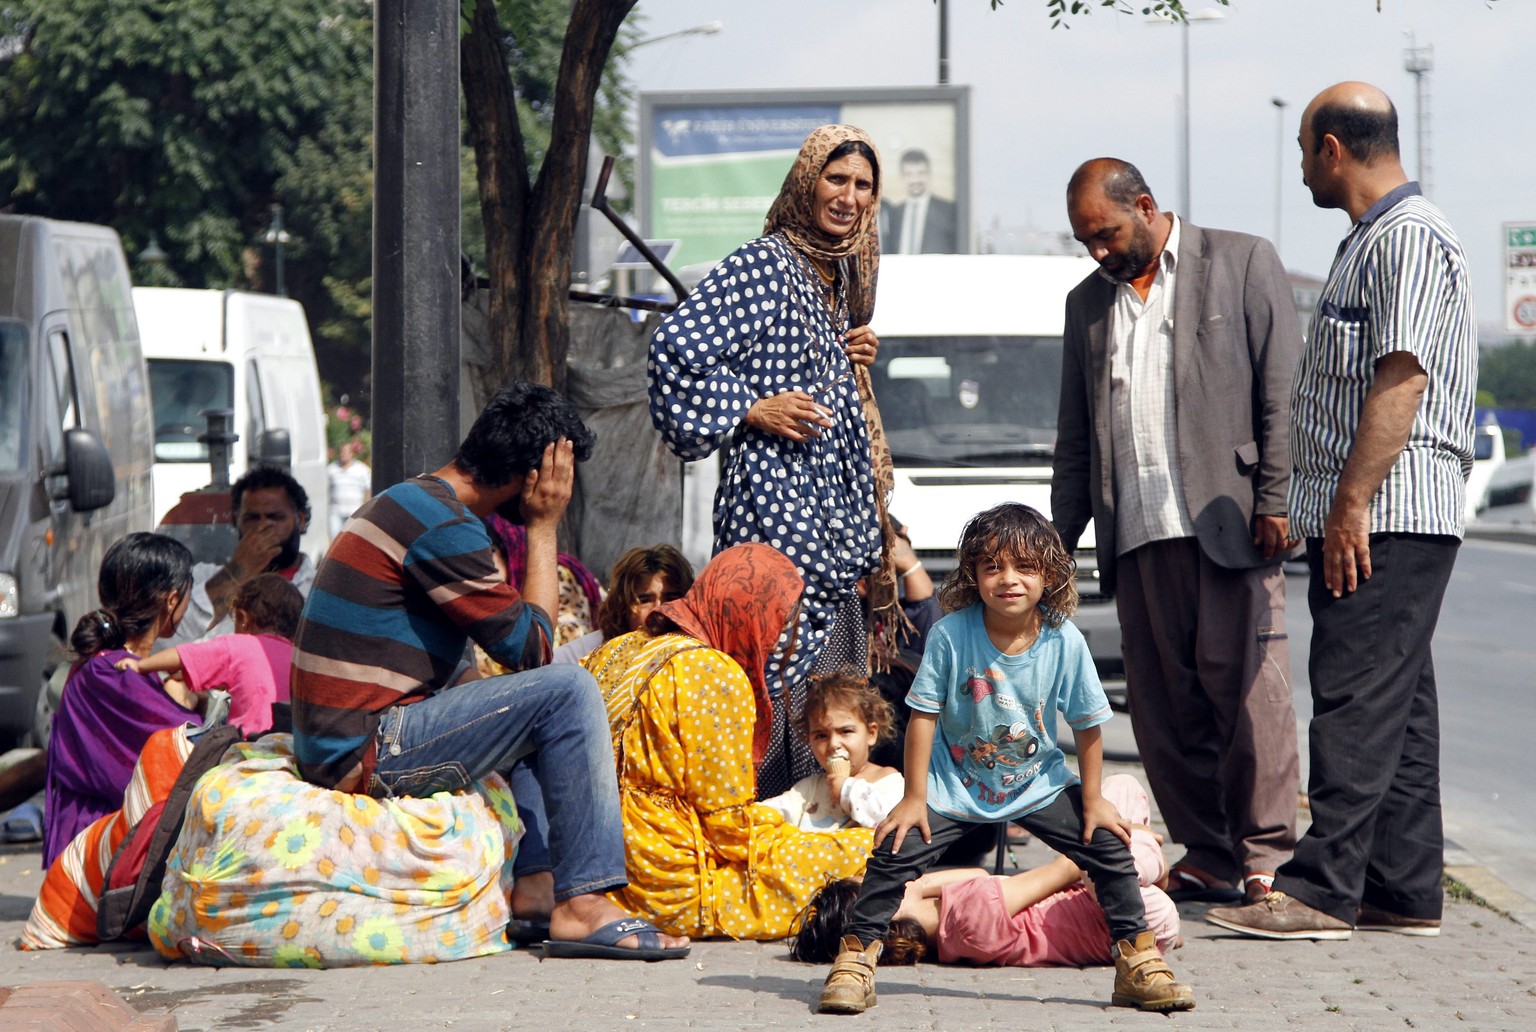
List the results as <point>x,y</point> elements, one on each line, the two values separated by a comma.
<point>555,717</point>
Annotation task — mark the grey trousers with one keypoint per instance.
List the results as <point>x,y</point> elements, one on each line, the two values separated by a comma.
<point>1208,675</point>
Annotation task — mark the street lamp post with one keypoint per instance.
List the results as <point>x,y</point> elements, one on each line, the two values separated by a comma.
<point>277,236</point>
<point>153,253</point>
<point>1279,161</point>
<point>1184,173</point>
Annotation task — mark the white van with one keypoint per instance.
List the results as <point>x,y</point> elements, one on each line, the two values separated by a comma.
<point>247,352</point>
<point>968,380</point>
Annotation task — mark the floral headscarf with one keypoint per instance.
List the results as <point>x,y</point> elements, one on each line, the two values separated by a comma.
<point>740,605</point>
<point>514,540</point>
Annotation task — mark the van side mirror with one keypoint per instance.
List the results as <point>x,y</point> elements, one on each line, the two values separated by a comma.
<point>274,448</point>
<point>88,468</point>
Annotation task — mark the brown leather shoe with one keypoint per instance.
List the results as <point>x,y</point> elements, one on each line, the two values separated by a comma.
<point>1144,980</point>
<point>1278,916</point>
<point>1375,919</point>
<point>850,985</point>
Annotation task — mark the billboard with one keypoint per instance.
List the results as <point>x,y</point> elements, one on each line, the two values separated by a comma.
<point>1520,278</point>
<point>711,163</point>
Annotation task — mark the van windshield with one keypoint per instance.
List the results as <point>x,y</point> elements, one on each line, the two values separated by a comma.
<point>13,393</point>
<point>180,389</point>
<point>968,401</point>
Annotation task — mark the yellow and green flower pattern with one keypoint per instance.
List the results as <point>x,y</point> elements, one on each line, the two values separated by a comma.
<point>270,871</point>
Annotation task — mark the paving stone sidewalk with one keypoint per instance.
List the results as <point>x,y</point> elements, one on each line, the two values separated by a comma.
<point>1478,976</point>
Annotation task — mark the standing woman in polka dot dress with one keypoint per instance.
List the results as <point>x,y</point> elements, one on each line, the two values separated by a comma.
<point>769,359</point>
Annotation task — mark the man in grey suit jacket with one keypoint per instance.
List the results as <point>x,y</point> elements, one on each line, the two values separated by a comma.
<point>1173,437</point>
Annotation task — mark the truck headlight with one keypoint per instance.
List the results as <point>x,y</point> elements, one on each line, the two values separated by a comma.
<point>10,598</point>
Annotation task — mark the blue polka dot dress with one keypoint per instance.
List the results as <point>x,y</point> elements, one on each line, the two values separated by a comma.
<point>756,326</point>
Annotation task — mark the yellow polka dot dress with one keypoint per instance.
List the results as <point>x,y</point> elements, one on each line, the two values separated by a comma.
<point>703,858</point>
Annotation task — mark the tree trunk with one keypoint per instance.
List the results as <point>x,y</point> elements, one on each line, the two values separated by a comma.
<point>529,232</point>
<point>501,169</point>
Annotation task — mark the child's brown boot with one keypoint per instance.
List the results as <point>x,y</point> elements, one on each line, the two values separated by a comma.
<point>850,985</point>
<point>1144,980</point>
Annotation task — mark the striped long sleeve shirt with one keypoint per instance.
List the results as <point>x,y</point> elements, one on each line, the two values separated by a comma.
<point>1399,283</point>
<point>401,591</point>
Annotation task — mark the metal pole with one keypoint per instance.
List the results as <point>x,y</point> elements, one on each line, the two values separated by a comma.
<point>1418,125</point>
<point>277,248</point>
<point>1184,209</point>
<point>1279,161</point>
<point>415,238</point>
<point>943,42</point>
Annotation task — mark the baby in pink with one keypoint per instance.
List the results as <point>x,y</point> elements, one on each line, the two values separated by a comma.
<point>1043,917</point>
<point>1066,928</point>
<point>253,664</point>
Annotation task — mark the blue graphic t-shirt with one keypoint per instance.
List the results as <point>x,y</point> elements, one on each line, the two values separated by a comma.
<point>994,748</point>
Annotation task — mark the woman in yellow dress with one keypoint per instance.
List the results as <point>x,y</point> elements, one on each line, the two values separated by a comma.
<point>690,715</point>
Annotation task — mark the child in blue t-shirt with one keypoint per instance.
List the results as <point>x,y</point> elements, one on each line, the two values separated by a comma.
<point>981,747</point>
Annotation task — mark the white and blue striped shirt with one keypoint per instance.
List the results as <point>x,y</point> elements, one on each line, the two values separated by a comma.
<point>1398,283</point>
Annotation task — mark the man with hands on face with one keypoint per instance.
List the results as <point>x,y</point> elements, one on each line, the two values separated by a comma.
<point>381,701</point>
<point>270,510</point>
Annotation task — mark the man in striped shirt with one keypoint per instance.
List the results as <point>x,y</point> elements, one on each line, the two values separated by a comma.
<point>1382,442</point>
<point>382,702</point>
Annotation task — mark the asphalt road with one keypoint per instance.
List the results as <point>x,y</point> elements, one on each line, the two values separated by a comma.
<point>1485,669</point>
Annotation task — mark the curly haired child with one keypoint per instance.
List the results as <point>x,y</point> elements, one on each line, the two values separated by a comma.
<point>981,748</point>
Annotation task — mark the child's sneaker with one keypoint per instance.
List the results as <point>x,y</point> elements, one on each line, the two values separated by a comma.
<point>850,985</point>
<point>1144,980</point>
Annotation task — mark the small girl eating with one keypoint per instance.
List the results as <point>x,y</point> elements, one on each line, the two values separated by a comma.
<point>842,719</point>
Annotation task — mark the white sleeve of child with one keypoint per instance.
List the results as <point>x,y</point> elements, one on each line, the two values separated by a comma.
<point>790,804</point>
<point>868,802</point>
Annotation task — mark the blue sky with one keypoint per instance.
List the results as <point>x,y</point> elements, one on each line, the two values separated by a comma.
<point>1044,100</point>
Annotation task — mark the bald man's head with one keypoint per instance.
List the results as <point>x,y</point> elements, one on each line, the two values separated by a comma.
<point>1358,115</point>
<point>1121,181</point>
